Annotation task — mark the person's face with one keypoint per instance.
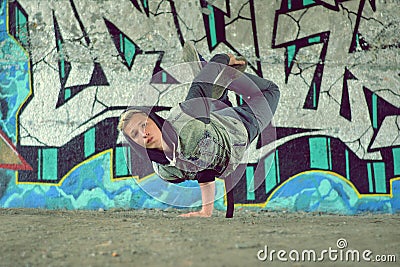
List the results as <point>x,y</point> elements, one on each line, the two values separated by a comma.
<point>143,131</point>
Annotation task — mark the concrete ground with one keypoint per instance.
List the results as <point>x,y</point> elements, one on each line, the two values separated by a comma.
<point>33,237</point>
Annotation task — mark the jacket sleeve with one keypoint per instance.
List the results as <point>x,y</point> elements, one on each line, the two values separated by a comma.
<point>207,176</point>
<point>172,174</point>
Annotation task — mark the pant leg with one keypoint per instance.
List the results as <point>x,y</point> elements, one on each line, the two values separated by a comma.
<point>202,85</point>
<point>260,97</point>
<point>221,102</point>
<point>251,85</point>
<point>200,99</point>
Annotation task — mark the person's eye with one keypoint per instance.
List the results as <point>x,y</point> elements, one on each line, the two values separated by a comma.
<point>144,124</point>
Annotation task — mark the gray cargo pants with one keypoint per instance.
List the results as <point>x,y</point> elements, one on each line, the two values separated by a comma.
<point>260,97</point>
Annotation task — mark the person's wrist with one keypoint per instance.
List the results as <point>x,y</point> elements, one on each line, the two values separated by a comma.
<point>230,61</point>
<point>206,211</point>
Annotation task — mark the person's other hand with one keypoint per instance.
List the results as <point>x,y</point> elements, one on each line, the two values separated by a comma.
<point>234,61</point>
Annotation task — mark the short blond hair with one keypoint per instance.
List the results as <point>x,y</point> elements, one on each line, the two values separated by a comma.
<point>126,116</point>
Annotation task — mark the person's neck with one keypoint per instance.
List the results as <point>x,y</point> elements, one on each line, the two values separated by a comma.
<point>164,147</point>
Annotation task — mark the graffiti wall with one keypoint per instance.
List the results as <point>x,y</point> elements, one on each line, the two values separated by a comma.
<point>69,68</point>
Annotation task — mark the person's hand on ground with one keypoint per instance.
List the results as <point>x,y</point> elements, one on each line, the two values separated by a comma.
<point>200,213</point>
<point>207,196</point>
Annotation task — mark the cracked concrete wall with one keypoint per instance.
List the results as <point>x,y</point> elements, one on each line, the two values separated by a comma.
<point>80,63</point>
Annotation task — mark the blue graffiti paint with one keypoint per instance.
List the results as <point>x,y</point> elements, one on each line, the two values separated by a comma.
<point>395,201</point>
<point>396,160</point>
<point>14,78</point>
<point>250,183</point>
<point>325,192</point>
<point>90,187</point>
<point>211,21</point>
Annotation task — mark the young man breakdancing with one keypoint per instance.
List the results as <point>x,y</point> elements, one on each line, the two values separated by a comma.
<point>205,136</point>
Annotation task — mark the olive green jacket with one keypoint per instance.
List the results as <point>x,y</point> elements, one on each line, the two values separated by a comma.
<point>218,145</point>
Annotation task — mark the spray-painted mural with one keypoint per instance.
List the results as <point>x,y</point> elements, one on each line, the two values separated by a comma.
<point>69,68</point>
